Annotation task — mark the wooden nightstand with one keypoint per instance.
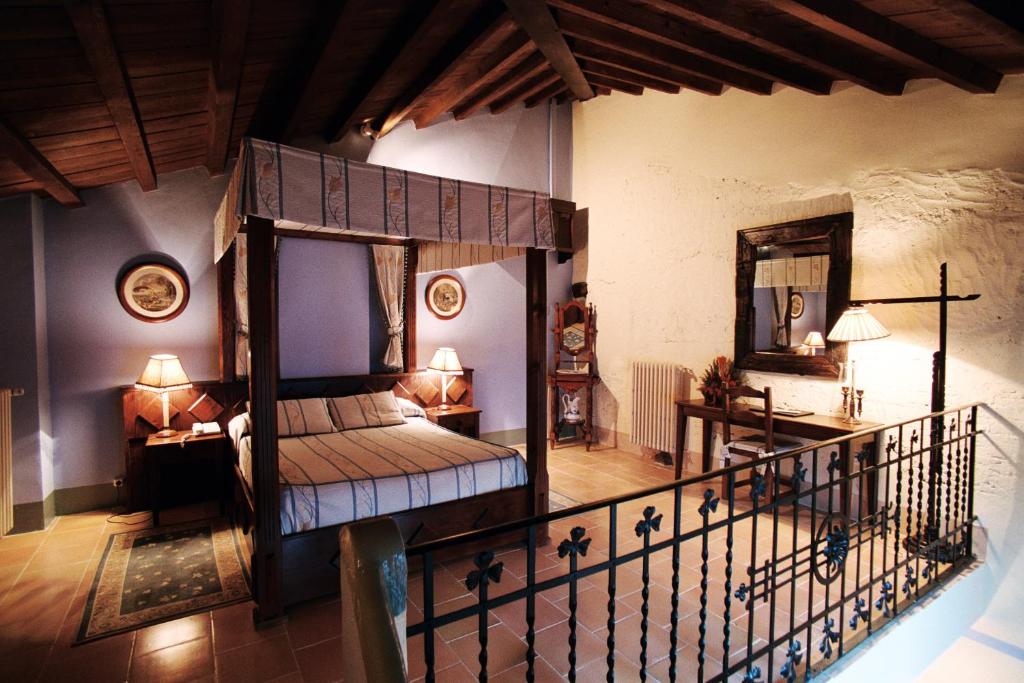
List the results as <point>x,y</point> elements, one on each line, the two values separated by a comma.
<point>462,419</point>
<point>185,453</point>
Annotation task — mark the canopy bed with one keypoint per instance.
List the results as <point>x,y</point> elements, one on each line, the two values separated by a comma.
<point>301,483</point>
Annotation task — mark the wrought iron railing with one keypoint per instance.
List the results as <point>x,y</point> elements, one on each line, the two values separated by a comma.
<point>787,582</point>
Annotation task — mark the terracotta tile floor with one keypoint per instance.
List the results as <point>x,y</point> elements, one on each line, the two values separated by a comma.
<point>45,578</point>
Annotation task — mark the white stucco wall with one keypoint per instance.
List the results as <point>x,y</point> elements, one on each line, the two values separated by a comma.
<point>936,175</point>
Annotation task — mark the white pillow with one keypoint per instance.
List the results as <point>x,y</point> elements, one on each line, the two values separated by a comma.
<point>410,408</point>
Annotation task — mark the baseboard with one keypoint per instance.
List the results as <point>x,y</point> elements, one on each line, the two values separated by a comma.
<point>34,516</point>
<point>508,437</point>
<point>84,498</point>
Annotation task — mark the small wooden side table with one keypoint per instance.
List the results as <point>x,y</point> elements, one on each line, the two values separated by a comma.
<point>462,419</point>
<point>184,449</point>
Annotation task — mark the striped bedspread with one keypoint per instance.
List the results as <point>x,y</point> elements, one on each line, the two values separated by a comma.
<point>344,476</point>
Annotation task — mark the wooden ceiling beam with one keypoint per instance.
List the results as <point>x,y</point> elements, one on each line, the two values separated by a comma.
<point>492,24</point>
<point>230,24</point>
<point>851,21</point>
<point>401,53</point>
<point>825,53</point>
<point>525,91</point>
<point>616,84</point>
<point>602,55</point>
<point>598,69</point>
<point>26,157</point>
<point>529,68</point>
<point>548,93</point>
<point>637,46</point>
<point>676,33</point>
<point>93,31</point>
<point>492,67</point>
<point>998,18</point>
<point>535,18</point>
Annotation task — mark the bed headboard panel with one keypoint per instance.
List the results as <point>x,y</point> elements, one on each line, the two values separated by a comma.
<point>420,387</point>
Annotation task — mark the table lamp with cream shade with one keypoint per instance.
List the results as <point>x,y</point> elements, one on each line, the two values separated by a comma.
<point>164,374</point>
<point>813,341</point>
<point>445,363</point>
<point>855,325</point>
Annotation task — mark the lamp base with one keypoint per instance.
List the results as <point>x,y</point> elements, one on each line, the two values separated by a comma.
<point>166,433</point>
<point>444,406</point>
<point>850,420</point>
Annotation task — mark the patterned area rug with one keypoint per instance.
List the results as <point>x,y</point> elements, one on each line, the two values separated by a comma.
<point>155,575</point>
<point>560,501</point>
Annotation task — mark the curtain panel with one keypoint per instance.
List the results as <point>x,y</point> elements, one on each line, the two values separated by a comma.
<point>389,271</point>
<point>319,192</point>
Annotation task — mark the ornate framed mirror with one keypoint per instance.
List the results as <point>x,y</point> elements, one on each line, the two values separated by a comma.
<point>775,263</point>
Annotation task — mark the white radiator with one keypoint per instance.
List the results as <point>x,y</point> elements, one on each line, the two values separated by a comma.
<point>6,461</point>
<point>656,386</point>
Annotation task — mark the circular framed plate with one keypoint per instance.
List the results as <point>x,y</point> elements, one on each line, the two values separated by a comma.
<point>153,292</point>
<point>796,305</point>
<point>446,297</point>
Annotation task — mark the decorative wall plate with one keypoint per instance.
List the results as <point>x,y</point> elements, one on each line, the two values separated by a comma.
<point>153,292</point>
<point>445,297</point>
<point>796,305</point>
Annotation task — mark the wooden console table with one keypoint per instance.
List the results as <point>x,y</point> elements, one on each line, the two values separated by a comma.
<point>816,427</point>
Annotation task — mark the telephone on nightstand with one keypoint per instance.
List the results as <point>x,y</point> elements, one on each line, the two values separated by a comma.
<point>205,428</point>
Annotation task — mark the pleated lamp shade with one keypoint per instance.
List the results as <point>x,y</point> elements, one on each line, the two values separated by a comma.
<point>163,373</point>
<point>814,340</point>
<point>445,362</point>
<point>856,324</point>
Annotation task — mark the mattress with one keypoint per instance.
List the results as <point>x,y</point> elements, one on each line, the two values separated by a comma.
<point>343,476</point>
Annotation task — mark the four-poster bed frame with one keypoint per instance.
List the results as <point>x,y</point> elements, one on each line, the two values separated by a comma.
<point>290,568</point>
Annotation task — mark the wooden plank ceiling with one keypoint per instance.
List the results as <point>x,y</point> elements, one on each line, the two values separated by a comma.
<point>94,92</point>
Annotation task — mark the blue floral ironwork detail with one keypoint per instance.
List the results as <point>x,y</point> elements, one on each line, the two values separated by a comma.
<point>885,598</point>
<point>860,612</point>
<point>485,571</point>
<point>863,455</point>
<point>833,463</point>
<point>753,676</point>
<point>575,544</point>
<point>793,658</point>
<point>757,488</point>
<point>709,505</point>
<point>799,475</point>
<point>837,547</point>
<point>910,582</point>
<point>830,637</point>
<point>741,592</point>
<point>649,523</point>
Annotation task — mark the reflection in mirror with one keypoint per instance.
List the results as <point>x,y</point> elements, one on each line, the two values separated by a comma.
<point>790,294</point>
<point>574,333</point>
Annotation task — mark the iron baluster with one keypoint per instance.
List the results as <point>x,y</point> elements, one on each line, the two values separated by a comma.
<point>428,615</point>
<point>898,511</point>
<point>673,635</point>
<point>612,538</point>
<point>573,546</point>
<point>774,561</point>
<point>531,601</point>
<point>957,531</point>
<point>969,518</point>
<point>709,505</point>
<point>922,534</point>
<point>757,490</point>
<point>650,522</point>
<point>796,483</point>
<point>480,578</point>
<point>813,551</point>
<point>731,490</point>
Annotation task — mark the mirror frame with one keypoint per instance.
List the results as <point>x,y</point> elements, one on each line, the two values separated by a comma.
<point>838,229</point>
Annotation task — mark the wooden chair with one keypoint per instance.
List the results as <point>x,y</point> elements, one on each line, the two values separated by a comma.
<point>756,447</point>
<point>574,366</point>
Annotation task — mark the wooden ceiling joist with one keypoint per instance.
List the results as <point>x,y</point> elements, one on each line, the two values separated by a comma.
<point>676,33</point>
<point>535,18</point>
<point>26,157</point>
<point>602,55</point>
<point>857,24</point>
<point>489,70</point>
<point>827,54</point>
<point>623,41</point>
<point>598,69</point>
<point>529,68</point>
<point>492,24</point>
<point>549,93</point>
<point>228,34</point>
<point>616,84</point>
<point>93,31</point>
<point>525,91</point>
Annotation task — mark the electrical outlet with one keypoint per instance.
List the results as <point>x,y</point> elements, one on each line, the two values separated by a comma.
<point>118,483</point>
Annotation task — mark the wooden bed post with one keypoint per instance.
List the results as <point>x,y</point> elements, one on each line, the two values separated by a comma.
<point>536,388</point>
<point>226,315</point>
<point>263,372</point>
<point>409,336</point>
